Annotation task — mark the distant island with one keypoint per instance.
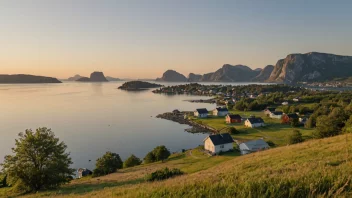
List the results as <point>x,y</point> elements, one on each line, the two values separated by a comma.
<point>138,85</point>
<point>24,78</point>
<point>94,77</point>
<point>295,68</point>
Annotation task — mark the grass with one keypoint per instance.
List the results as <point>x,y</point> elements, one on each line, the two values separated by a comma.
<point>273,131</point>
<point>316,168</point>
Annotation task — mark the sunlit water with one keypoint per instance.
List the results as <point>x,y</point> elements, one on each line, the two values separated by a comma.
<point>92,118</point>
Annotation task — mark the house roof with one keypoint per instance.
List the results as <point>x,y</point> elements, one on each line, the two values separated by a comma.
<point>256,144</point>
<point>202,111</point>
<point>235,116</point>
<point>224,138</point>
<point>277,112</point>
<point>255,120</point>
<point>292,115</point>
<point>222,109</point>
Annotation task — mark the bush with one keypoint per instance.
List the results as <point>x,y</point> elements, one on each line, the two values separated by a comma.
<point>132,161</point>
<point>159,153</point>
<point>295,137</point>
<point>107,164</point>
<point>163,174</point>
<point>232,130</point>
<point>271,143</point>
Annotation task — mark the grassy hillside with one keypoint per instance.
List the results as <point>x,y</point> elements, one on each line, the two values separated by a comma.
<point>317,168</point>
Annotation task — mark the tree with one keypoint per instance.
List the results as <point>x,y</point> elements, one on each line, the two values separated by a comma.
<point>232,130</point>
<point>229,106</point>
<point>131,161</point>
<point>149,158</point>
<point>161,153</point>
<point>295,137</point>
<point>294,122</point>
<point>348,126</point>
<point>39,161</point>
<point>107,164</point>
<point>325,127</point>
<point>338,116</point>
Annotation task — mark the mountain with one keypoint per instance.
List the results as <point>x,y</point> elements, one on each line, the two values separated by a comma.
<point>94,77</point>
<point>112,79</point>
<point>172,76</point>
<point>74,78</point>
<point>194,77</point>
<point>230,73</point>
<point>23,78</point>
<point>311,67</point>
<point>264,74</point>
<point>258,69</point>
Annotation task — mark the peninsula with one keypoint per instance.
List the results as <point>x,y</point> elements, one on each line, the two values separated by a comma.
<point>138,85</point>
<point>24,78</point>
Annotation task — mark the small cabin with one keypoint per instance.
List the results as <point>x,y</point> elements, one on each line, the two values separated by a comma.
<point>201,113</point>
<point>287,118</point>
<point>254,122</point>
<point>218,143</point>
<point>253,146</point>
<point>276,114</point>
<point>83,172</point>
<point>269,110</point>
<point>230,118</point>
<point>220,111</point>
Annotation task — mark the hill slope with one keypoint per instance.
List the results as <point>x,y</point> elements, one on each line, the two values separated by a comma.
<point>311,67</point>
<point>314,168</point>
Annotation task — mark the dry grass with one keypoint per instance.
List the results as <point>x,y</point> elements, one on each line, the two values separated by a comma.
<point>317,168</point>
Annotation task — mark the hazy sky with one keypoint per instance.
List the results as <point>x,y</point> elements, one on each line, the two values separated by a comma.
<point>144,38</point>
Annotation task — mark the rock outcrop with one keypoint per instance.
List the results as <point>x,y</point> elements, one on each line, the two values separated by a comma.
<point>311,67</point>
<point>172,76</point>
<point>264,74</point>
<point>230,73</point>
<point>94,77</point>
<point>194,77</point>
<point>74,78</point>
<point>23,78</point>
<point>112,79</point>
<point>138,85</point>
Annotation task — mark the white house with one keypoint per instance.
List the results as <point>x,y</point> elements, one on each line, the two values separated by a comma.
<point>253,146</point>
<point>295,100</point>
<point>285,103</point>
<point>254,122</point>
<point>220,111</point>
<point>218,143</point>
<point>201,113</point>
<point>276,114</point>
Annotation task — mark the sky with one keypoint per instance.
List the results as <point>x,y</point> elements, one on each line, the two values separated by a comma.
<point>142,39</point>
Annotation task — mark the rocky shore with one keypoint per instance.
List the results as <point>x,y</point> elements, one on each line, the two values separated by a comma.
<point>179,117</point>
<point>210,101</point>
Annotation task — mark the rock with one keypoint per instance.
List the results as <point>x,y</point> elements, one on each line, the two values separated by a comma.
<point>194,77</point>
<point>264,74</point>
<point>98,77</point>
<point>230,73</point>
<point>309,67</point>
<point>172,76</point>
<point>23,78</point>
<point>138,85</point>
<point>83,79</point>
<point>112,79</point>
<point>74,78</point>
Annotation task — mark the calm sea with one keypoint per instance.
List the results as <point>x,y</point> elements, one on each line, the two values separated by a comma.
<point>92,118</point>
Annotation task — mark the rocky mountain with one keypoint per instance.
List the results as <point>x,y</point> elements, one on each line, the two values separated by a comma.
<point>230,73</point>
<point>264,74</point>
<point>23,78</point>
<point>309,67</point>
<point>172,76</point>
<point>194,77</point>
<point>258,69</point>
<point>94,77</point>
<point>138,85</point>
<point>74,78</point>
<point>112,79</point>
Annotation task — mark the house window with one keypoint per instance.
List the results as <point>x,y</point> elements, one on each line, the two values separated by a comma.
<point>221,146</point>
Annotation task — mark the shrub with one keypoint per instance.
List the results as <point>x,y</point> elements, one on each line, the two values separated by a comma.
<point>271,143</point>
<point>132,161</point>
<point>163,174</point>
<point>295,137</point>
<point>160,153</point>
<point>232,130</point>
<point>107,164</point>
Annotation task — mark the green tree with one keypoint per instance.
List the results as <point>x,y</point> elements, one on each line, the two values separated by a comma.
<point>132,161</point>
<point>294,122</point>
<point>161,153</point>
<point>292,109</point>
<point>338,116</point>
<point>295,137</point>
<point>229,106</point>
<point>232,130</point>
<point>348,126</point>
<point>39,161</point>
<point>108,163</point>
<point>149,158</point>
<point>325,127</point>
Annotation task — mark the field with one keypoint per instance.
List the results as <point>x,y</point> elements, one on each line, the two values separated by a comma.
<point>316,168</point>
<point>273,131</point>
